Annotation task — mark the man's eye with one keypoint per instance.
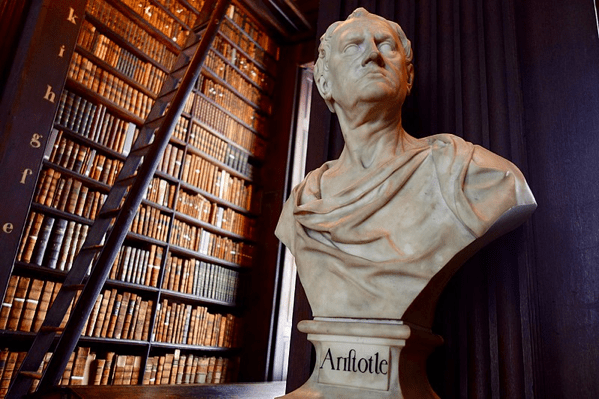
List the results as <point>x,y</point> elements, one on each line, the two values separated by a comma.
<point>351,49</point>
<point>386,47</point>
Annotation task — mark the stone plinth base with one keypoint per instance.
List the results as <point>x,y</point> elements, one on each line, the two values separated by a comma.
<point>359,358</point>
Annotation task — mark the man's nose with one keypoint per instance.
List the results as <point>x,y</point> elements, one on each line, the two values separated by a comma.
<point>373,55</point>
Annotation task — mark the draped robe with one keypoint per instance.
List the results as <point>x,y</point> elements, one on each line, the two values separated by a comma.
<point>368,251</point>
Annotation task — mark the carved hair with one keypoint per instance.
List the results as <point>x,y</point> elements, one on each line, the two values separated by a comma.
<point>324,49</point>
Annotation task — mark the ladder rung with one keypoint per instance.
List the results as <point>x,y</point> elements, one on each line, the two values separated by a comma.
<point>31,374</point>
<point>191,49</point>
<point>73,287</point>
<point>96,247</point>
<point>141,150</point>
<point>169,95</point>
<point>50,329</point>
<point>126,181</point>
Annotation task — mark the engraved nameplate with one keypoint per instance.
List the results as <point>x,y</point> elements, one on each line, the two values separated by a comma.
<point>354,365</point>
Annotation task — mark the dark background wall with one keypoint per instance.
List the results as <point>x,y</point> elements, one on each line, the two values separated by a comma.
<point>521,318</point>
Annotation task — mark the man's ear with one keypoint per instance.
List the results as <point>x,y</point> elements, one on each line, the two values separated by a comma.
<point>410,77</point>
<point>324,88</point>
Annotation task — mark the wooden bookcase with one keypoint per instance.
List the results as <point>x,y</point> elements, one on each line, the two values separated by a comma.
<point>174,298</point>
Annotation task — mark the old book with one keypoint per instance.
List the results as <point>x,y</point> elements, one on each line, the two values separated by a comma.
<point>93,317</point>
<point>3,359</point>
<point>8,372</point>
<point>166,371</point>
<point>79,366</point>
<point>98,370</point>
<point>202,372</point>
<point>55,243</point>
<point>32,238</point>
<point>139,321</point>
<point>106,296</point>
<point>89,369</point>
<point>128,317</point>
<point>181,369</point>
<point>42,241</point>
<point>18,303</point>
<point>159,370</point>
<point>210,371</point>
<point>193,371</point>
<point>175,366</point>
<point>108,367</point>
<point>128,370</point>
<point>146,329</point>
<point>120,322</point>
<point>8,301</point>
<point>114,315</point>
<point>119,369</point>
<point>136,370</point>
<point>66,244</point>
<point>66,375</point>
<point>30,305</point>
<point>218,369</point>
<point>147,371</point>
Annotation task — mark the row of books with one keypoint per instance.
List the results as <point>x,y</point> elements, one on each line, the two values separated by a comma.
<point>9,364</point>
<point>223,50</point>
<point>143,72</point>
<point>138,265</point>
<point>195,277</point>
<point>67,194</point>
<point>119,315</point>
<point>161,192</point>
<point>216,64</point>
<point>180,130</point>
<point>94,122</point>
<point>180,323</point>
<point>182,12</point>
<point>171,160</point>
<point>151,222</point>
<point>51,241</point>
<point>177,368</point>
<point>222,151</point>
<point>214,117</point>
<point>26,303</point>
<point>208,177</point>
<point>109,86</point>
<point>247,24</point>
<point>158,18</point>
<point>198,207</point>
<point>131,32</point>
<point>247,45</point>
<point>86,161</point>
<point>206,243</point>
<point>86,367</point>
<point>229,101</point>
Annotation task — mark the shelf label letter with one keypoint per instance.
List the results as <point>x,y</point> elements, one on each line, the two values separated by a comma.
<point>72,16</point>
<point>35,140</point>
<point>7,228</point>
<point>50,95</point>
<point>24,175</point>
<point>61,52</point>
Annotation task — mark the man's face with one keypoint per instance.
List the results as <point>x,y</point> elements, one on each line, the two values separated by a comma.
<point>367,63</point>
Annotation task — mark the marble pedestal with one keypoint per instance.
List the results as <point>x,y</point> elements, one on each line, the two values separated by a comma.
<point>361,358</point>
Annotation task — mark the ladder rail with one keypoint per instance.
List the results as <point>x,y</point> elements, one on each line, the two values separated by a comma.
<point>116,236</point>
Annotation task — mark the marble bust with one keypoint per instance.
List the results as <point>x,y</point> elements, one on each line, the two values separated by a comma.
<point>371,229</point>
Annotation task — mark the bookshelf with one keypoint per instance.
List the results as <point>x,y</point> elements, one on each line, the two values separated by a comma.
<point>171,311</point>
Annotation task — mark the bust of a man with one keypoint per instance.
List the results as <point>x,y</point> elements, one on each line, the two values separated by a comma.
<point>372,229</point>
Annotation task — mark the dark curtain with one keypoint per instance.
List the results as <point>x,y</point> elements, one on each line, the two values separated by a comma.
<point>479,66</point>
